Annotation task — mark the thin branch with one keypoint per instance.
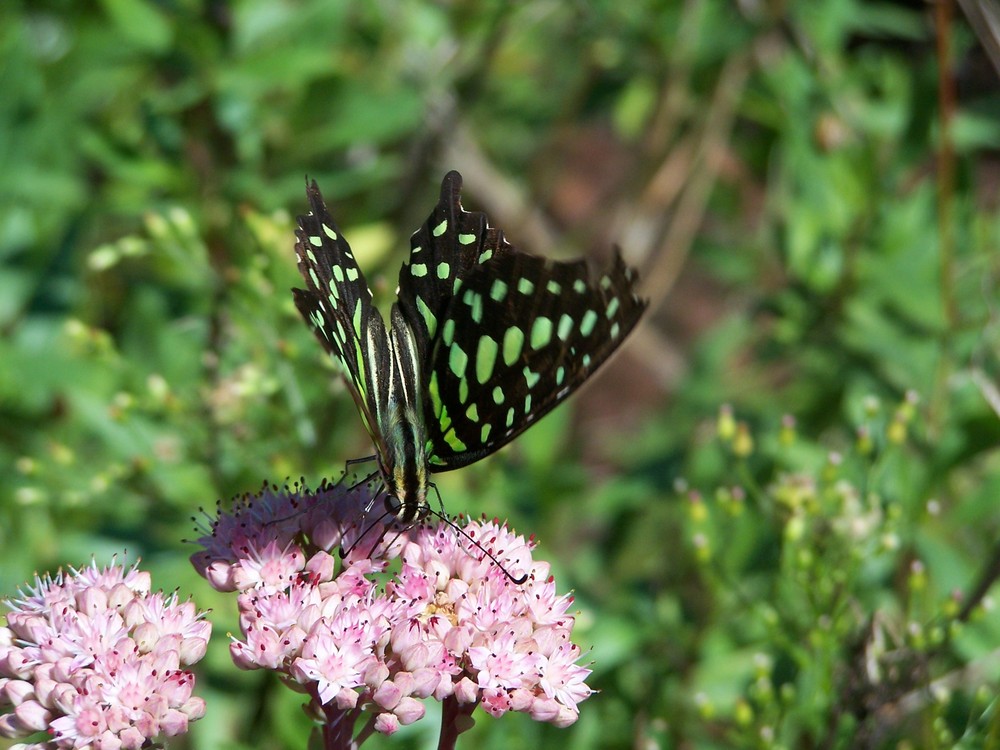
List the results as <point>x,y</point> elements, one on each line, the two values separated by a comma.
<point>691,207</point>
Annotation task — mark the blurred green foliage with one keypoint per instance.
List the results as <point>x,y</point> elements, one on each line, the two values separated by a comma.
<point>818,238</point>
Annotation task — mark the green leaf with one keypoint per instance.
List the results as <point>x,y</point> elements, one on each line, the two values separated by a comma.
<point>141,23</point>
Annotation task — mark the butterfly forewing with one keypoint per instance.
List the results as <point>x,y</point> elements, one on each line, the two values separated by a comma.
<point>338,305</point>
<point>518,337</point>
<point>443,251</point>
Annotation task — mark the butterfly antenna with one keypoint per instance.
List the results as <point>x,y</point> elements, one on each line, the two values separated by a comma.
<point>516,580</point>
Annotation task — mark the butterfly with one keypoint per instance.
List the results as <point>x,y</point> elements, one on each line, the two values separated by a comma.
<point>483,340</point>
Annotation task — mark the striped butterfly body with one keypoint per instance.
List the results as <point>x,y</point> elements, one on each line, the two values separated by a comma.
<point>483,340</point>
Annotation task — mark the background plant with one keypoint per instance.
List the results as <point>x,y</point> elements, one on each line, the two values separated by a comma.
<point>809,189</point>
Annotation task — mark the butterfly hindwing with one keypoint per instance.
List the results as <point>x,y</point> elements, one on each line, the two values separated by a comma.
<point>337,303</point>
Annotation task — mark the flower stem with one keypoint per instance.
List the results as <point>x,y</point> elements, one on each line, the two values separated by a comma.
<point>337,727</point>
<point>366,731</point>
<point>455,718</point>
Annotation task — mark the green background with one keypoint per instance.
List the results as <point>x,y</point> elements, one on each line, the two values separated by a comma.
<point>810,200</point>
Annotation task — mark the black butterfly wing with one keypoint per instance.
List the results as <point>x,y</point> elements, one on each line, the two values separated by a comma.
<point>503,336</point>
<point>520,336</point>
<point>443,251</point>
<point>337,305</point>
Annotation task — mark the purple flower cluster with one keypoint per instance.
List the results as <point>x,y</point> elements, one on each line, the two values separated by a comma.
<point>450,624</point>
<point>97,661</point>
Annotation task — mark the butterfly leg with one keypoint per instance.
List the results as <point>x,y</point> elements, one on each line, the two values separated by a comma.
<point>363,460</point>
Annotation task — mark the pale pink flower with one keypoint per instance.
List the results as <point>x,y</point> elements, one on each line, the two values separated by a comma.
<point>510,641</point>
<point>262,538</point>
<point>453,624</point>
<point>95,660</point>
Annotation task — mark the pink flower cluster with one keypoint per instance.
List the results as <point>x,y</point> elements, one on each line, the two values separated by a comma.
<point>451,624</point>
<point>97,661</point>
<point>478,635</point>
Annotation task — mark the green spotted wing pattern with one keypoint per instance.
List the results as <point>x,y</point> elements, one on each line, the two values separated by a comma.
<point>483,341</point>
<point>337,304</point>
<point>506,335</point>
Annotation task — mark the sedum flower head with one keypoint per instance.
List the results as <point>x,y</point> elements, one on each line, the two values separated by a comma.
<point>96,660</point>
<point>450,623</point>
<point>486,638</point>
